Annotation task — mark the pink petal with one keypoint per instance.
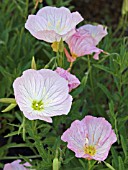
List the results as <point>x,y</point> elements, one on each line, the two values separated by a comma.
<point>96,32</point>
<point>15,165</point>
<point>51,24</point>
<point>91,131</point>
<point>83,43</point>
<point>103,150</point>
<point>75,136</point>
<point>73,81</point>
<point>69,57</point>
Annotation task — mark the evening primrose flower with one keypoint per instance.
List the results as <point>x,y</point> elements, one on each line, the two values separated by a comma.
<point>51,24</point>
<point>84,42</point>
<point>90,138</point>
<point>15,165</point>
<point>96,32</point>
<point>73,81</point>
<point>42,94</point>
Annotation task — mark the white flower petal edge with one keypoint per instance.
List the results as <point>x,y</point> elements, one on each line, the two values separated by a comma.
<point>51,24</point>
<point>42,94</point>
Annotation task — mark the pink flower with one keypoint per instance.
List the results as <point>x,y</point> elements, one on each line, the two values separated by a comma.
<point>73,81</point>
<point>15,165</point>
<point>42,94</point>
<point>51,24</point>
<point>96,32</point>
<point>90,138</point>
<point>84,42</point>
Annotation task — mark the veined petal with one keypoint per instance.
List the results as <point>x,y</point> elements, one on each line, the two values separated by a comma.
<point>61,20</point>
<point>38,28</point>
<point>84,42</point>
<point>94,135</point>
<point>37,115</point>
<point>73,81</point>
<point>54,109</point>
<point>56,88</point>
<point>98,129</point>
<point>103,150</point>
<point>96,32</point>
<point>75,136</point>
<point>51,24</point>
<point>42,94</point>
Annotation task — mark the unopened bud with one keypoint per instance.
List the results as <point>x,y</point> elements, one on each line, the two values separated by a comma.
<point>10,107</point>
<point>33,63</point>
<point>7,100</point>
<point>55,164</point>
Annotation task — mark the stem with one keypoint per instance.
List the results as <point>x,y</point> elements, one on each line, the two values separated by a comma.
<point>15,157</point>
<point>70,67</point>
<point>47,65</point>
<point>57,58</point>
<point>90,76</point>
<point>38,144</point>
<point>89,165</point>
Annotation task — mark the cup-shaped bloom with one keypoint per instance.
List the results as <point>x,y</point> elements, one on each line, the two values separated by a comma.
<point>96,32</point>
<point>80,45</point>
<point>84,42</point>
<point>90,138</point>
<point>42,94</point>
<point>15,165</point>
<point>51,24</point>
<point>72,80</point>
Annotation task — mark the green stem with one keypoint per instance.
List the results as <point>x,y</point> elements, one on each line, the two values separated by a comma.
<point>90,75</point>
<point>89,165</point>
<point>38,144</point>
<point>48,64</point>
<point>15,157</point>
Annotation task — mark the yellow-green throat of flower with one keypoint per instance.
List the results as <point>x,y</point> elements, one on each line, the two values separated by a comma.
<point>90,150</point>
<point>37,105</point>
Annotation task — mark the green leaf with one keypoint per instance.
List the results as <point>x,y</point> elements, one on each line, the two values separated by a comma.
<point>68,160</point>
<point>10,107</point>
<point>124,145</point>
<point>121,163</point>
<point>8,100</point>
<point>82,163</point>
<point>106,69</point>
<point>109,166</point>
<point>12,134</point>
<point>105,90</point>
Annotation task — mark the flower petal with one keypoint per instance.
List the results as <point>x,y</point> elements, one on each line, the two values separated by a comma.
<point>98,129</point>
<point>15,165</point>
<point>44,86</point>
<point>90,138</point>
<point>51,24</point>
<point>75,136</point>
<point>73,81</point>
<point>97,32</point>
<point>102,151</point>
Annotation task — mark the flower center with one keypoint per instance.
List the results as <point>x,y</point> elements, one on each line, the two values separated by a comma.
<point>74,56</point>
<point>55,46</point>
<point>90,150</point>
<point>37,105</point>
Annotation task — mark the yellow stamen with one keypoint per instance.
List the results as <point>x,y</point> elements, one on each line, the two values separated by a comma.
<point>74,56</point>
<point>37,105</point>
<point>55,46</point>
<point>90,150</point>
